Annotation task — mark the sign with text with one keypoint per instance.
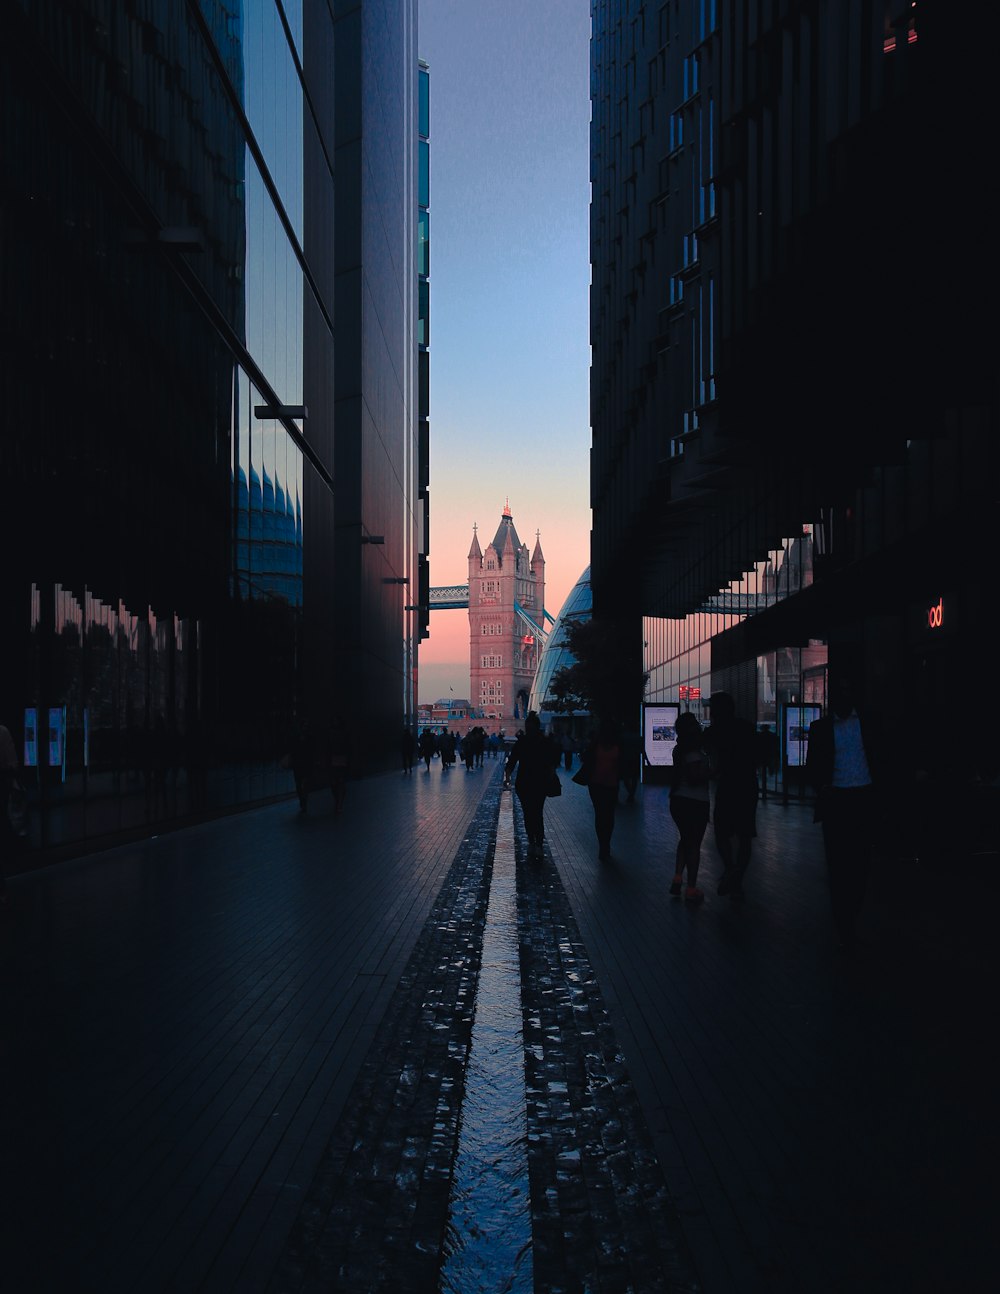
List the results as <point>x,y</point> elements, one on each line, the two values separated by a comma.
<point>795,732</point>
<point>934,620</point>
<point>659,733</point>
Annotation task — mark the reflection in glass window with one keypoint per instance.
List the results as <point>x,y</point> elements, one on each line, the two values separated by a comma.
<point>267,491</point>
<point>424,243</point>
<point>424,187</point>
<point>273,294</point>
<point>273,101</point>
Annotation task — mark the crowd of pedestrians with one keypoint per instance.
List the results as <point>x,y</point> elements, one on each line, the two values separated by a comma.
<point>714,781</point>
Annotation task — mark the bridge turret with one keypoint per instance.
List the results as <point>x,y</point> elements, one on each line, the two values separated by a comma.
<point>538,571</point>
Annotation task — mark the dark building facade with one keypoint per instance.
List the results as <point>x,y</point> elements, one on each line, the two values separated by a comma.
<point>790,372</point>
<point>189,302</point>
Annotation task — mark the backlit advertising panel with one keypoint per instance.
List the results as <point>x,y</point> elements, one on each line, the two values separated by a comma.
<point>659,733</point>
<point>795,732</point>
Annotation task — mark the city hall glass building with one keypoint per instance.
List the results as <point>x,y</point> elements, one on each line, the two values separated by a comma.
<point>793,392</point>
<point>210,453</point>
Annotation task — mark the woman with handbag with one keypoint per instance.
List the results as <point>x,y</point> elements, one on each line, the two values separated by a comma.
<point>689,802</point>
<point>535,757</point>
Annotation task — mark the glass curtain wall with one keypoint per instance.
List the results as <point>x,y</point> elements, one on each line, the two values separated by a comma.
<point>161,607</point>
<point>677,654</point>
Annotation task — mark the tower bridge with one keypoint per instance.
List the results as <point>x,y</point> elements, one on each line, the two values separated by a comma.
<point>455,597</point>
<point>508,623</point>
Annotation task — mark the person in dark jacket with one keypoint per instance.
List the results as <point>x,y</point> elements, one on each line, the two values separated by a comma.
<point>602,768</point>
<point>838,767</point>
<point>731,744</point>
<point>302,760</point>
<point>535,757</point>
<point>689,804</point>
<point>9,786</point>
<point>407,748</point>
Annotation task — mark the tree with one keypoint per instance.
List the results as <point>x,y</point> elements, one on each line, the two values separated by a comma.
<point>606,677</point>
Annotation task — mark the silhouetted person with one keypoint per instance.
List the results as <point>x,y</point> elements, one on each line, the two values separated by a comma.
<point>428,746</point>
<point>447,746</point>
<point>602,765</point>
<point>631,743</point>
<point>407,748</point>
<point>689,804</point>
<point>13,833</point>
<point>837,765</point>
<point>338,754</point>
<point>731,744</point>
<point>302,760</point>
<point>535,757</point>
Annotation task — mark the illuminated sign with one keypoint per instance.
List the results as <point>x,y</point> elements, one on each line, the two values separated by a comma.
<point>934,620</point>
<point>659,732</point>
<point>795,731</point>
<point>687,693</point>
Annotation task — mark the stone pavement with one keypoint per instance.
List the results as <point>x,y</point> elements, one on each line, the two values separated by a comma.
<point>196,1028</point>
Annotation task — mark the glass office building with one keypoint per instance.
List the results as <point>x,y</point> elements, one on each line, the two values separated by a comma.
<point>556,655</point>
<point>785,398</point>
<point>170,282</point>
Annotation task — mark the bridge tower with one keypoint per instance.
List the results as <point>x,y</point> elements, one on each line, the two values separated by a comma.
<point>506,622</point>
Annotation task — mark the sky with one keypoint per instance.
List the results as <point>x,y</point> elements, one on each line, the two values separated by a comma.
<point>510,281</point>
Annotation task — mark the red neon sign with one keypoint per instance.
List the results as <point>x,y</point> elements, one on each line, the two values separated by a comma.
<point>935,615</point>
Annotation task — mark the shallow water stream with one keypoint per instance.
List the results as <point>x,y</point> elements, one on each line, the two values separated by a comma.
<point>488,1245</point>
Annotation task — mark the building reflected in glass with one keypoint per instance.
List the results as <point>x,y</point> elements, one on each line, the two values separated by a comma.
<point>176,409</point>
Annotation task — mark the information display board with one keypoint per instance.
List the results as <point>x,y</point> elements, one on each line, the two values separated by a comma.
<point>659,732</point>
<point>795,733</point>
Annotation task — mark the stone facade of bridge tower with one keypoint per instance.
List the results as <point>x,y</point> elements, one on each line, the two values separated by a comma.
<point>503,644</point>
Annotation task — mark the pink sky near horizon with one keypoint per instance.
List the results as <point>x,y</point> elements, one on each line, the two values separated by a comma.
<point>510,296</point>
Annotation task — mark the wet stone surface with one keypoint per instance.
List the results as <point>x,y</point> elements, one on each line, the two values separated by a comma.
<point>602,1218</point>
<point>375,1215</point>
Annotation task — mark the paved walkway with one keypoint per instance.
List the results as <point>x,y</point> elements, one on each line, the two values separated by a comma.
<point>193,1026</point>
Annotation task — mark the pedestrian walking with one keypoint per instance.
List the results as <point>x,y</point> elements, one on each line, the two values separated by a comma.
<point>732,750</point>
<point>567,745</point>
<point>689,804</point>
<point>601,767</point>
<point>838,767</point>
<point>407,748</point>
<point>13,808</point>
<point>338,752</point>
<point>535,757</point>
<point>631,761</point>
<point>428,746</point>
<point>301,760</point>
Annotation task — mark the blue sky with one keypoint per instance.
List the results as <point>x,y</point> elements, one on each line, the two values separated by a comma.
<point>510,276</point>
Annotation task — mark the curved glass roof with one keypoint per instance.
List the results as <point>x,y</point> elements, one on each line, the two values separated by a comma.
<point>579,605</point>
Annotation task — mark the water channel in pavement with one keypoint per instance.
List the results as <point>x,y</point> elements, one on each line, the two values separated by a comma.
<point>488,1245</point>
